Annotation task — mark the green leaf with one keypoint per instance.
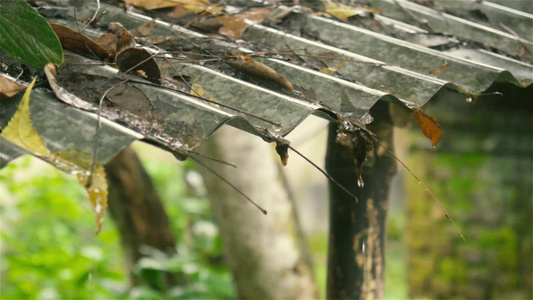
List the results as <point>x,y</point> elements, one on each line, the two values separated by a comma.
<point>26,36</point>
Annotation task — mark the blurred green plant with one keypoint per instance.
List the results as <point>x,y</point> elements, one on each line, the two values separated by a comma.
<point>49,249</point>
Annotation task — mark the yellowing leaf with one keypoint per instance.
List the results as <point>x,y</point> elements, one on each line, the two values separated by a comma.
<point>196,6</point>
<point>343,11</point>
<point>97,193</point>
<point>332,70</point>
<point>198,91</point>
<point>428,125</point>
<point>20,131</point>
<point>79,163</point>
<point>9,88</point>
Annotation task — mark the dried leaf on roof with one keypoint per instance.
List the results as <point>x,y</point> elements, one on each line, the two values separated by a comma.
<point>108,41</point>
<point>255,68</point>
<point>78,163</point>
<point>343,11</point>
<point>198,91</point>
<point>144,29</point>
<point>196,6</point>
<point>428,125</point>
<point>332,70</point>
<point>79,43</point>
<point>140,62</point>
<point>20,130</point>
<point>153,4</point>
<point>235,25</point>
<point>9,88</point>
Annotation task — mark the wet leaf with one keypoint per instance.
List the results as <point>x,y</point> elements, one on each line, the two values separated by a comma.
<point>63,94</point>
<point>362,143</point>
<point>255,68</point>
<point>79,163</point>
<point>439,70</point>
<point>9,88</point>
<point>359,140</point>
<point>428,125</point>
<point>343,12</point>
<point>20,131</point>
<point>79,43</point>
<point>97,192</point>
<point>26,36</point>
<point>235,25</point>
<point>282,148</point>
<point>139,59</point>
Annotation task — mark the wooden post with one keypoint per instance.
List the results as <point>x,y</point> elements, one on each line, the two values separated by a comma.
<point>356,260</point>
<point>137,210</point>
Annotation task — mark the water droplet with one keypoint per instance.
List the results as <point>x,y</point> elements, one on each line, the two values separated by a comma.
<point>469,99</point>
<point>276,128</point>
<point>360,182</point>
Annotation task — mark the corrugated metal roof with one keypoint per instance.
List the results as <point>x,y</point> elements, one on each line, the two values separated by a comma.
<point>408,54</point>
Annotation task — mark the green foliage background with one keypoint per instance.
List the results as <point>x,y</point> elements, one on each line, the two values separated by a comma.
<point>49,249</point>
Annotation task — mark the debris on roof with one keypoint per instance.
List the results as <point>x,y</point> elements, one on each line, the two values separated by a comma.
<point>260,67</point>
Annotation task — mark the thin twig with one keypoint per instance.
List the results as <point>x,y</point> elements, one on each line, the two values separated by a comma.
<point>94,16</point>
<point>325,174</point>
<point>82,36</point>
<point>207,100</point>
<point>213,159</point>
<point>96,147</point>
<point>425,188</point>
<point>231,185</point>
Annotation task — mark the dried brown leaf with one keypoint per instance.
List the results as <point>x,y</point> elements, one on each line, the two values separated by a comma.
<point>139,59</point>
<point>79,43</point>
<point>9,88</point>
<point>108,41</point>
<point>235,25</point>
<point>255,68</point>
<point>428,125</point>
<point>145,28</point>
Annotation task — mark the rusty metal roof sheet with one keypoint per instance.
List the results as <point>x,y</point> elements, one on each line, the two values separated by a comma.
<point>391,56</point>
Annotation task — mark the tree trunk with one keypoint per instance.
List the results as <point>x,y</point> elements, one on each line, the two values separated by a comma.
<point>262,251</point>
<point>482,173</point>
<point>137,210</point>
<point>356,260</point>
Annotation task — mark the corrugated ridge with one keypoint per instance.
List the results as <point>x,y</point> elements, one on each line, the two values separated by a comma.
<point>367,79</point>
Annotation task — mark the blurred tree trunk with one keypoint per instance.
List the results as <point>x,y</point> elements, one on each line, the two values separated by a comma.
<point>482,173</point>
<point>137,210</point>
<point>356,260</point>
<point>263,252</point>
